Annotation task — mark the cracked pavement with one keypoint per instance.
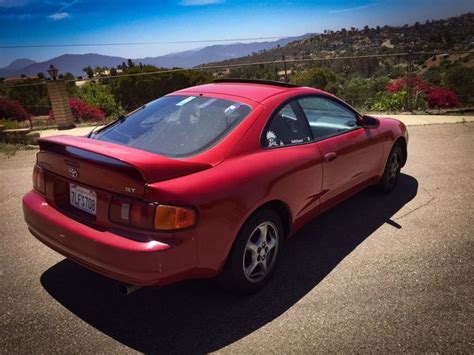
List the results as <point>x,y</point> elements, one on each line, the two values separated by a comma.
<point>379,273</point>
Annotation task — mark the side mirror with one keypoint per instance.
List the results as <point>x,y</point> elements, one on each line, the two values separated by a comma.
<point>369,121</point>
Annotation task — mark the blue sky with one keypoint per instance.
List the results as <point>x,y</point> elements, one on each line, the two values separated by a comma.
<point>30,22</point>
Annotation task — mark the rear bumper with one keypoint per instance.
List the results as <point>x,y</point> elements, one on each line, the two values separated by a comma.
<point>139,263</point>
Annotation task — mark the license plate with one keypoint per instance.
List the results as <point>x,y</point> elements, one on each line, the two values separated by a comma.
<point>82,198</point>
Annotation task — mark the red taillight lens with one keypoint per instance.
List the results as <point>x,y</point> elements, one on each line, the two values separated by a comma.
<point>150,216</point>
<point>133,213</point>
<point>39,180</point>
<point>142,214</point>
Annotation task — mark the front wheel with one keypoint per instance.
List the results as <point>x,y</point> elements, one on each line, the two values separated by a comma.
<point>255,253</point>
<point>392,170</point>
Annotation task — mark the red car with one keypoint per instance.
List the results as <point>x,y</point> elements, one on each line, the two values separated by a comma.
<point>207,181</point>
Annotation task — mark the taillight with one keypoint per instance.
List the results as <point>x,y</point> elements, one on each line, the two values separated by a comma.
<point>133,213</point>
<point>150,216</point>
<point>38,179</point>
<point>172,217</point>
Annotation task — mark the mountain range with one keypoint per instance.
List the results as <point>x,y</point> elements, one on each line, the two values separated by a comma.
<point>74,63</point>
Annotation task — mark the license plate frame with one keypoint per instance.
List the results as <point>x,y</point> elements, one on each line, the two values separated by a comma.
<point>83,199</point>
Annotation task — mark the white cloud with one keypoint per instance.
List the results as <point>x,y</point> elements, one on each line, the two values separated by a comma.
<point>200,2</point>
<point>59,16</point>
<point>67,5</point>
<point>351,9</point>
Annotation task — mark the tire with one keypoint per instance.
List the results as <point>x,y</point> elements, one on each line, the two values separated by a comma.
<point>254,255</point>
<point>392,170</point>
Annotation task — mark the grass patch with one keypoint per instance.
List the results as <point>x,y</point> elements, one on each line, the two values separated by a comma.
<point>9,150</point>
<point>10,124</point>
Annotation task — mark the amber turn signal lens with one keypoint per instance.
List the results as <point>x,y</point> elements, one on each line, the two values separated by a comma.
<point>171,217</point>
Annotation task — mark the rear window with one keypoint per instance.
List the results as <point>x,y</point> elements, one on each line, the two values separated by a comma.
<point>176,126</point>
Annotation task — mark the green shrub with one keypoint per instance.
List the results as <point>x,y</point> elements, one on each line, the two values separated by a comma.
<point>461,79</point>
<point>99,95</point>
<point>385,101</point>
<point>358,91</point>
<point>317,77</point>
<point>9,124</point>
<point>134,91</point>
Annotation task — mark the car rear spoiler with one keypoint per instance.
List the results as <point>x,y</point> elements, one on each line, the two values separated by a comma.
<point>150,166</point>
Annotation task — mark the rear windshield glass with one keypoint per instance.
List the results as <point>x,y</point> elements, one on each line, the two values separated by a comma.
<point>176,126</point>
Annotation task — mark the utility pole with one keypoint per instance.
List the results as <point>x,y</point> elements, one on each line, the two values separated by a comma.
<point>284,66</point>
<point>409,107</point>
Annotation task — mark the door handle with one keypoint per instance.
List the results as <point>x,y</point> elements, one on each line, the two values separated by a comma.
<point>330,156</point>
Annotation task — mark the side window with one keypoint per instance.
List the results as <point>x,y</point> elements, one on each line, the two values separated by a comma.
<point>286,128</point>
<point>326,117</point>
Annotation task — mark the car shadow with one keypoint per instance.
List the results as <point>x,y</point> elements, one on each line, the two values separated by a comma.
<point>196,316</point>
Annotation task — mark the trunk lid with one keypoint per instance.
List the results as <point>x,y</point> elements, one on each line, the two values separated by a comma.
<point>108,166</point>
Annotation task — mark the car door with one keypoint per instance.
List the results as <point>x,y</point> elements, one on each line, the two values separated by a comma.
<point>351,152</point>
<point>288,137</point>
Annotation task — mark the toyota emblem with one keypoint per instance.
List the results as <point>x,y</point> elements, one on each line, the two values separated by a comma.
<point>73,172</point>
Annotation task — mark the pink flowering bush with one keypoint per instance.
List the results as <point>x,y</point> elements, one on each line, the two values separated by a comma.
<point>434,96</point>
<point>437,97</point>
<point>12,110</point>
<point>418,84</point>
<point>82,111</point>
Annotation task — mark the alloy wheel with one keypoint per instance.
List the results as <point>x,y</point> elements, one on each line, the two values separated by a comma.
<point>394,168</point>
<point>260,252</point>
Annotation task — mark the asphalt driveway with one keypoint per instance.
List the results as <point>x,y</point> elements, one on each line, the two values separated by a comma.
<point>379,273</point>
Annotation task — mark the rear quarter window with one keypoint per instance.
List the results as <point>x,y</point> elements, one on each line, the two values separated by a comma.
<point>177,126</point>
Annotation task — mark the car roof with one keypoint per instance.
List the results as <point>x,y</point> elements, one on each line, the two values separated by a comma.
<point>255,91</point>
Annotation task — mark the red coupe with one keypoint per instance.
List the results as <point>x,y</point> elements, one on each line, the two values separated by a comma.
<point>207,181</point>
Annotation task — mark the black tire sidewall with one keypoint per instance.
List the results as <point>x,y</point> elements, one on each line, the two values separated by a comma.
<point>385,184</point>
<point>233,277</point>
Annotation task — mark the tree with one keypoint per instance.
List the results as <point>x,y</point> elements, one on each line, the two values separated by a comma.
<point>70,82</point>
<point>68,76</point>
<point>460,79</point>
<point>40,75</point>
<point>132,92</point>
<point>99,95</point>
<point>317,77</point>
<point>89,71</point>
<point>358,91</point>
<point>34,98</point>
<point>130,63</point>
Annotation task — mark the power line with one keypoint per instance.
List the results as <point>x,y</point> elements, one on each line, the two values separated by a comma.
<point>225,66</point>
<point>140,43</point>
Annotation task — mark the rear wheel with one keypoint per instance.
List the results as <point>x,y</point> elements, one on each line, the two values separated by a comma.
<point>255,253</point>
<point>392,170</point>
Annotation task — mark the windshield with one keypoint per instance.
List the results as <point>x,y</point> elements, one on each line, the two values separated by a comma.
<point>176,126</point>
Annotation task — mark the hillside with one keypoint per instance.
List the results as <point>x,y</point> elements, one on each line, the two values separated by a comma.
<point>17,64</point>
<point>74,63</point>
<point>191,58</point>
<point>456,33</point>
